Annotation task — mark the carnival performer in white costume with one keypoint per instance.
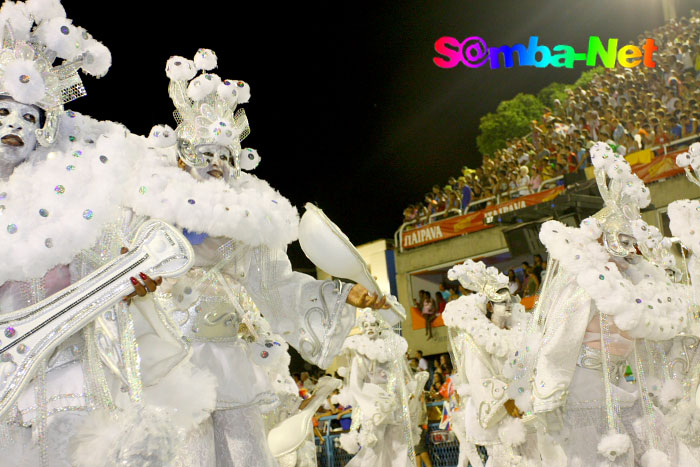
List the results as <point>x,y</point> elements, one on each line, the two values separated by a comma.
<point>241,303</point>
<point>485,329</point>
<point>375,386</point>
<point>61,183</point>
<point>601,304</point>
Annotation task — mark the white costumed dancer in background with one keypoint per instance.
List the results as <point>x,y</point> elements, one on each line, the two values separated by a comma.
<point>376,388</point>
<point>485,329</point>
<point>239,228</point>
<point>602,304</point>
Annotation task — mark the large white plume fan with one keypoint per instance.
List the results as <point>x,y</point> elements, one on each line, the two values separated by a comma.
<point>331,250</point>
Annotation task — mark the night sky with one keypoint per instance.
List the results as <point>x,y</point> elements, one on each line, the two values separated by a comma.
<point>347,109</point>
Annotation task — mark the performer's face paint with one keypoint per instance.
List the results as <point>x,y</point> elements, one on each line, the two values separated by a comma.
<point>501,312</point>
<point>219,158</point>
<point>370,329</point>
<point>18,125</point>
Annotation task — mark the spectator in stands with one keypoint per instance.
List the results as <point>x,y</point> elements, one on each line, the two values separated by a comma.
<point>422,362</point>
<point>537,264</point>
<point>442,290</point>
<point>515,286</point>
<point>532,282</point>
<point>440,303</point>
<point>454,293</point>
<point>523,181</point>
<point>429,312</point>
<point>466,193</point>
<point>435,387</point>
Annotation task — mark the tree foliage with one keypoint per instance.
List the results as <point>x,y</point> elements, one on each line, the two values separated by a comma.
<point>511,120</point>
<point>553,91</point>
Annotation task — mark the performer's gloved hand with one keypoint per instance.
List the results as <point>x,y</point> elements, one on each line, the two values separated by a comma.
<point>149,285</point>
<point>549,422</point>
<point>360,297</point>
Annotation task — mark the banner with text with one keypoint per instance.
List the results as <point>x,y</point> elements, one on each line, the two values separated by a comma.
<point>471,222</point>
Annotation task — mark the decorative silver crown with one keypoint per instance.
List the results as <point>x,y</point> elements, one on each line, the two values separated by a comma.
<point>35,34</point>
<point>475,276</point>
<point>623,194</point>
<point>205,107</point>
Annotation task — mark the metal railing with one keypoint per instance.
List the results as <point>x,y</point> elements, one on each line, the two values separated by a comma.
<point>330,454</point>
<point>459,212</point>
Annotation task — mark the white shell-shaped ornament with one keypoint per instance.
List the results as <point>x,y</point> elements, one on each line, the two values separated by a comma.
<point>249,159</point>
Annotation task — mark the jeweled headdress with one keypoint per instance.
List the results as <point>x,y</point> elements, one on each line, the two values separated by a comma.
<point>35,34</point>
<point>623,193</point>
<point>475,276</point>
<point>205,110</point>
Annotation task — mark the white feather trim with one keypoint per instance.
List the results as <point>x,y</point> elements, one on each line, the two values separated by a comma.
<point>17,17</point>
<point>613,445</point>
<point>467,314</point>
<point>386,348</point>
<point>202,86</point>
<point>162,136</point>
<point>655,458</point>
<point>45,9</point>
<point>512,432</point>
<point>248,210</point>
<point>23,81</point>
<point>205,59</point>
<point>180,69</point>
<point>188,392</point>
<point>349,442</point>
<point>671,393</point>
<point>65,185</point>
<point>135,436</point>
<point>249,159</point>
<point>97,60</point>
<point>60,36</point>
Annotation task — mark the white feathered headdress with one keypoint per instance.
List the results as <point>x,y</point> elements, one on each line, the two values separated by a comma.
<point>475,276</point>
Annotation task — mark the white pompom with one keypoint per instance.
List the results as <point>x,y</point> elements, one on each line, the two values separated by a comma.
<point>162,136</point>
<point>205,59</point>
<point>24,82</point>
<point>512,432</point>
<point>43,10</point>
<point>228,91</point>
<point>18,18</point>
<point>97,59</point>
<point>613,445</point>
<point>202,86</point>
<point>349,442</point>
<point>180,69</point>
<point>249,159</point>
<point>655,458</point>
<point>243,91</point>
<point>60,36</point>
<point>671,393</point>
<point>342,371</point>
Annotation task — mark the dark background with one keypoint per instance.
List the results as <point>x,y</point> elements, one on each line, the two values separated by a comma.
<point>347,109</point>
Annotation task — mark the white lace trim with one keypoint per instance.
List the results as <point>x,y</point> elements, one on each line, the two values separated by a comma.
<point>386,348</point>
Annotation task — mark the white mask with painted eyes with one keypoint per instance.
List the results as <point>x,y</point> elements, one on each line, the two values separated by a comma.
<point>18,125</point>
<point>219,158</point>
<point>370,329</point>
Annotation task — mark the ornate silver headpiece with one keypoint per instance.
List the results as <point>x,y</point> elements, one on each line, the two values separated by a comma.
<point>35,34</point>
<point>475,276</point>
<point>205,110</point>
<point>623,193</point>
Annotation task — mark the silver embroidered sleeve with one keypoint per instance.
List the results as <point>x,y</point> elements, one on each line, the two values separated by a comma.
<point>310,314</point>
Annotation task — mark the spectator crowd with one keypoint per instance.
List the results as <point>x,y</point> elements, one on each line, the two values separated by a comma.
<point>629,108</point>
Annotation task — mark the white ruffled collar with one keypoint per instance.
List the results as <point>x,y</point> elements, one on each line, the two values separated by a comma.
<point>58,206</point>
<point>248,210</point>
<point>642,301</point>
<point>386,348</point>
<point>467,314</point>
